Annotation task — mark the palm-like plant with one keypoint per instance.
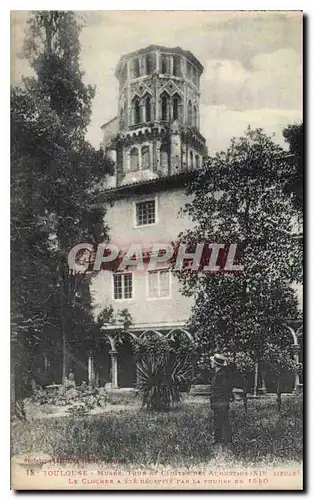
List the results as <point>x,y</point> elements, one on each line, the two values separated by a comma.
<point>160,381</point>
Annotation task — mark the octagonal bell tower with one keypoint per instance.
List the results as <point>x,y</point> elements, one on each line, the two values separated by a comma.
<point>158,114</point>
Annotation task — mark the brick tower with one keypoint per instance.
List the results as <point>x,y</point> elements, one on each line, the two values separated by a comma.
<point>158,114</point>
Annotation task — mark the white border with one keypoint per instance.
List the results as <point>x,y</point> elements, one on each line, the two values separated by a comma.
<point>4,185</point>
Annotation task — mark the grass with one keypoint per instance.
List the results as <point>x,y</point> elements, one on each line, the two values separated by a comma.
<point>182,437</point>
<point>118,398</point>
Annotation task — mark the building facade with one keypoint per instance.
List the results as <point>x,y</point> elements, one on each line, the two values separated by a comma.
<point>155,144</point>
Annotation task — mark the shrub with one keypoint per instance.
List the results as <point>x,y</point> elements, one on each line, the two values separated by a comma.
<point>279,360</point>
<point>90,397</point>
<point>162,376</point>
<point>78,410</point>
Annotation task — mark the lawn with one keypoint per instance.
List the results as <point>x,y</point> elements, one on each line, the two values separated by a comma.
<point>182,437</point>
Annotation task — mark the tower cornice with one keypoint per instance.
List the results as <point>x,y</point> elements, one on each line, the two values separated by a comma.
<point>168,50</point>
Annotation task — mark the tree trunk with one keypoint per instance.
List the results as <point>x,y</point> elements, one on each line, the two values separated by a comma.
<point>245,394</point>
<point>256,376</point>
<point>278,394</point>
<point>64,347</point>
<point>64,353</point>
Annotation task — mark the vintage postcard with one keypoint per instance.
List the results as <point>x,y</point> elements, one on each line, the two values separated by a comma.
<point>156,242</point>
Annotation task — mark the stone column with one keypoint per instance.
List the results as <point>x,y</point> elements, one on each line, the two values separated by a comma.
<point>90,370</point>
<point>46,362</point>
<point>175,154</point>
<point>256,376</point>
<point>156,84</point>
<point>142,66</point>
<point>152,109</point>
<point>185,116</point>
<point>128,110</point>
<point>171,65</point>
<point>184,67</point>
<point>181,112</point>
<point>295,352</point>
<point>157,61</point>
<point>263,389</point>
<point>114,382</point>
<point>156,154</point>
<point>139,157</point>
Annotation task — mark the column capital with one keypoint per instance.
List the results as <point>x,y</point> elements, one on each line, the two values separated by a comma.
<point>295,348</point>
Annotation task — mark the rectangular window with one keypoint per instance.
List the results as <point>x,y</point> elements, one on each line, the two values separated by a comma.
<point>145,213</point>
<point>123,285</point>
<point>158,284</point>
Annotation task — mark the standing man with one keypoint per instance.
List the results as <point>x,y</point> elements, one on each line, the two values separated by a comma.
<point>221,394</point>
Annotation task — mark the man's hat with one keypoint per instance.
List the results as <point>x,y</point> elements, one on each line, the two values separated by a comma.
<point>219,359</point>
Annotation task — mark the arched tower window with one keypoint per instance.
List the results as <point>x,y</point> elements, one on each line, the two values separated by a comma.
<point>191,159</point>
<point>149,63</point>
<point>164,107</point>
<point>134,160</point>
<point>189,113</point>
<point>195,116</point>
<point>197,161</point>
<point>164,155</point>
<point>194,75</point>
<point>164,64</point>
<point>148,108</point>
<point>176,66</point>
<point>189,70</point>
<point>176,103</point>
<point>145,157</point>
<point>136,68</point>
<point>136,111</point>
<point>123,74</point>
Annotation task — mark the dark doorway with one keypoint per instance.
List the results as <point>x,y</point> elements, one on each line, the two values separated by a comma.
<point>126,369</point>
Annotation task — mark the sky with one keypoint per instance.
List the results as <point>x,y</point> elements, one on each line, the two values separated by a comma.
<point>252,64</point>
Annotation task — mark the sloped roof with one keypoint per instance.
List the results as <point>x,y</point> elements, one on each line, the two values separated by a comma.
<point>169,181</point>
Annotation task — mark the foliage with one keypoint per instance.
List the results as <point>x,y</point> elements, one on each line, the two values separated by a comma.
<point>52,48</point>
<point>280,360</point>
<point>294,171</point>
<point>242,360</point>
<point>238,197</point>
<point>163,372</point>
<point>110,316</point>
<point>160,384</point>
<point>181,438</point>
<point>82,396</point>
<point>54,177</point>
<point>78,410</point>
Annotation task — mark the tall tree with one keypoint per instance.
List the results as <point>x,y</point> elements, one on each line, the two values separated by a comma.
<point>55,174</point>
<point>238,197</point>
<point>294,170</point>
